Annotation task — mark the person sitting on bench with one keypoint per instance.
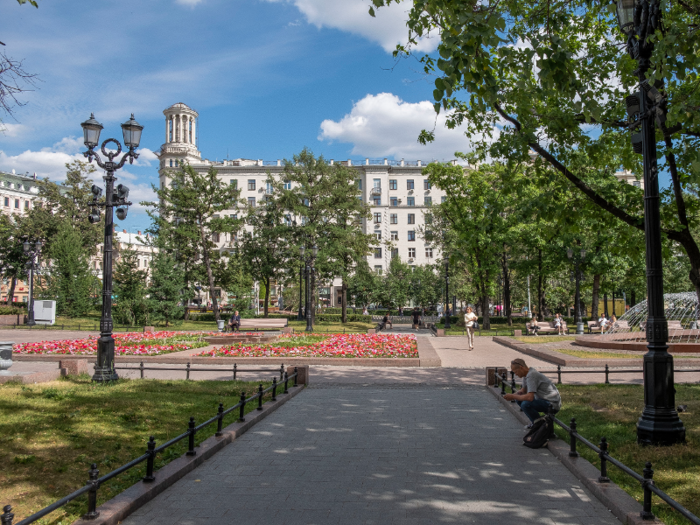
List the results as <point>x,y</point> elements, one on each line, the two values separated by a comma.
<point>235,322</point>
<point>386,321</point>
<point>538,393</point>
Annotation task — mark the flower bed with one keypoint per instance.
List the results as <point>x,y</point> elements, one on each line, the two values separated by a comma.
<point>130,343</point>
<point>336,345</point>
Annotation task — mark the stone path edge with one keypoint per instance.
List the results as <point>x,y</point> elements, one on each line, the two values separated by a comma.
<point>116,509</point>
<point>622,505</point>
<point>556,358</point>
<point>427,354</point>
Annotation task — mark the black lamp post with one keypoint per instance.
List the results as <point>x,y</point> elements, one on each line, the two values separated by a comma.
<point>309,272</point>
<point>659,423</point>
<point>577,300</point>
<point>131,130</point>
<point>300,315</point>
<point>447,293</point>
<point>33,253</point>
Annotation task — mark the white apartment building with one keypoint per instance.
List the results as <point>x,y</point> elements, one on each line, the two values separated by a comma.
<point>124,240</point>
<point>398,193</point>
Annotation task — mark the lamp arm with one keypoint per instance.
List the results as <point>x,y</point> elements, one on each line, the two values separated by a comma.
<point>90,154</point>
<point>131,155</point>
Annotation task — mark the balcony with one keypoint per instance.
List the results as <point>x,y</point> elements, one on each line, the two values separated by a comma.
<point>375,191</point>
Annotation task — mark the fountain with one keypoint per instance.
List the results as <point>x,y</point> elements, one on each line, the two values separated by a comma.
<point>629,332</point>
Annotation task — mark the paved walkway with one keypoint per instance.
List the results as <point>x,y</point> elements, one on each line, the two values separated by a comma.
<point>375,454</point>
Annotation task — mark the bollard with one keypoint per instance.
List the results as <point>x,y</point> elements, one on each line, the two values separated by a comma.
<point>512,387</point>
<point>558,374</point>
<point>220,422</point>
<point>512,376</point>
<point>607,375</point>
<point>141,367</point>
<point>149,462</point>
<point>260,396</point>
<point>503,384</point>
<point>7,515</point>
<point>286,380</point>
<point>190,449</point>
<point>281,372</point>
<point>274,389</point>
<point>92,495</point>
<point>235,369</point>
<point>188,371</point>
<point>572,438</point>
<point>296,376</point>
<point>646,513</point>
<point>603,446</point>
<point>241,416</point>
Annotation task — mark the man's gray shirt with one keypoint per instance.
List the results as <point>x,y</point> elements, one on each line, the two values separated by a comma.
<point>543,388</point>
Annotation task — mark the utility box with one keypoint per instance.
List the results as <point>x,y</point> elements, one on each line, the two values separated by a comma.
<point>45,312</point>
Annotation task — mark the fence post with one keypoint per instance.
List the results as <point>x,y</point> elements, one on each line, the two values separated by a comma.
<point>260,396</point>
<point>220,422</point>
<point>512,388</point>
<point>149,462</point>
<point>190,449</point>
<point>296,376</point>
<point>558,374</point>
<point>188,371</point>
<point>572,438</point>
<point>241,417</point>
<point>92,495</point>
<point>503,384</point>
<point>274,389</point>
<point>7,515</point>
<point>235,369</point>
<point>603,445</point>
<point>141,367</point>
<point>607,374</point>
<point>281,372</point>
<point>286,380</point>
<point>646,513</point>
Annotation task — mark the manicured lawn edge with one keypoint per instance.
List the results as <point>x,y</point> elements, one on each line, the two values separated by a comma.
<point>622,505</point>
<point>118,508</point>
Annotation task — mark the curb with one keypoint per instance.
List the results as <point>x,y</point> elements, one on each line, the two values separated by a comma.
<point>623,506</point>
<point>116,509</point>
<point>427,354</point>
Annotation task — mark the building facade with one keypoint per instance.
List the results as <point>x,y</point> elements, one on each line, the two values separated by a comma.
<point>398,194</point>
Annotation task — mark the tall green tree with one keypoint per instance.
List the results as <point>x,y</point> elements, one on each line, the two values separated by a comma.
<point>395,290</point>
<point>166,289</point>
<point>364,285</point>
<point>12,257</point>
<point>190,214</point>
<point>130,306</point>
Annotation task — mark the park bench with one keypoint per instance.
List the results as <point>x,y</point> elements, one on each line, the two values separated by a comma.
<point>544,327</point>
<point>593,327</point>
<point>273,322</point>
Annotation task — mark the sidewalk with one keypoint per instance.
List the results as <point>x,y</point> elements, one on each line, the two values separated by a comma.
<point>373,454</point>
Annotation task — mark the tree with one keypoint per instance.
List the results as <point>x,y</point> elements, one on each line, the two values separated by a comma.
<point>190,215</point>
<point>364,285</point>
<point>167,288</point>
<point>395,291</point>
<point>69,280</point>
<point>130,305</point>
<point>425,285</point>
<point>556,76</point>
<point>12,257</point>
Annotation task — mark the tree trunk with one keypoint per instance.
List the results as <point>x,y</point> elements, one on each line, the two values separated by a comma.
<point>540,288</point>
<point>344,302</point>
<point>267,296</point>
<point>485,312</point>
<point>596,297</point>
<point>11,291</point>
<point>506,290</point>
<point>210,274</point>
<point>312,297</point>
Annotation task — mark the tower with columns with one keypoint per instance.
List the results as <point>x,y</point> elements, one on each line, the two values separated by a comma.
<point>180,137</point>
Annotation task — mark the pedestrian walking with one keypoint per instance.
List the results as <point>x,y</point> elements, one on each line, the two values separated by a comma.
<point>416,318</point>
<point>469,319</point>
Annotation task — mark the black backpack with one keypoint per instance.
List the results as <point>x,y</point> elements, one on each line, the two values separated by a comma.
<point>538,435</point>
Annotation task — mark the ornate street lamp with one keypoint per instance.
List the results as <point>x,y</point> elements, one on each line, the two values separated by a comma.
<point>577,299</point>
<point>33,254</point>
<point>131,130</point>
<point>447,293</point>
<point>659,423</point>
<point>309,273</point>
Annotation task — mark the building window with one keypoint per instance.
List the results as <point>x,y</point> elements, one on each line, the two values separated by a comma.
<point>234,216</point>
<point>636,184</point>
<point>171,163</point>
<point>443,198</point>
<point>409,184</point>
<point>411,218</point>
<point>378,235</point>
<point>394,236</point>
<point>378,269</point>
<point>411,201</point>
<point>411,253</point>
<point>358,182</point>
<point>377,218</point>
<point>411,235</point>
<point>428,201</point>
<point>377,201</point>
<point>251,184</point>
<point>268,188</point>
<point>426,184</point>
<point>377,183</point>
<point>394,253</point>
<point>287,185</point>
<point>7,202</point>
<point>428,252</point>
<point>394,201</point>
<point>26,205</point>
<point>394,218</point>
<point>215,237</point>
<point>393,185</point>
<point>17,204</point>
<point>377,253</point>
<point>251,202</point>
<point>234,183</point>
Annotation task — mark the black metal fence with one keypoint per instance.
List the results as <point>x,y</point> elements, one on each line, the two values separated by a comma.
<point>94,482</point>
<point>189,369</point>
<point>646,479</point>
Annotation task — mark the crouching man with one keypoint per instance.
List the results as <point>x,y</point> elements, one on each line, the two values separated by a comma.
<point>538,393</point>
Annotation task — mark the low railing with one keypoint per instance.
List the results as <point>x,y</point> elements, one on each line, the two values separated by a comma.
<point>152,451</point>
<point>646,479</point>
<point>189,369</point>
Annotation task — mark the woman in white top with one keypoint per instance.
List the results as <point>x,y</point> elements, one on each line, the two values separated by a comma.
<point>559,324</point>
<point>469,319</point>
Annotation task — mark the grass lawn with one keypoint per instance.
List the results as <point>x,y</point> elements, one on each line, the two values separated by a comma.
<point>54,431</point>
<point>612,411</point>
<point>611,355</point>
<point>537,339</point>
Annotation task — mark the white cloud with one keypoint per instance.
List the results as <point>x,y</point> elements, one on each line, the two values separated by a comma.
<point>388,28</point>
<point>383,125</point>
<point>190,3</point>
<point>13,130</point>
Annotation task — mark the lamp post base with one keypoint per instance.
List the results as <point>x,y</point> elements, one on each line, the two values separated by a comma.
<point>579,328</point>
<point>104,368</point>
<point>659,423</point>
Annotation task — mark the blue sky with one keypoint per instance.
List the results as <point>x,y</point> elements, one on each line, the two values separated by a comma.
<point>267,77</point>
